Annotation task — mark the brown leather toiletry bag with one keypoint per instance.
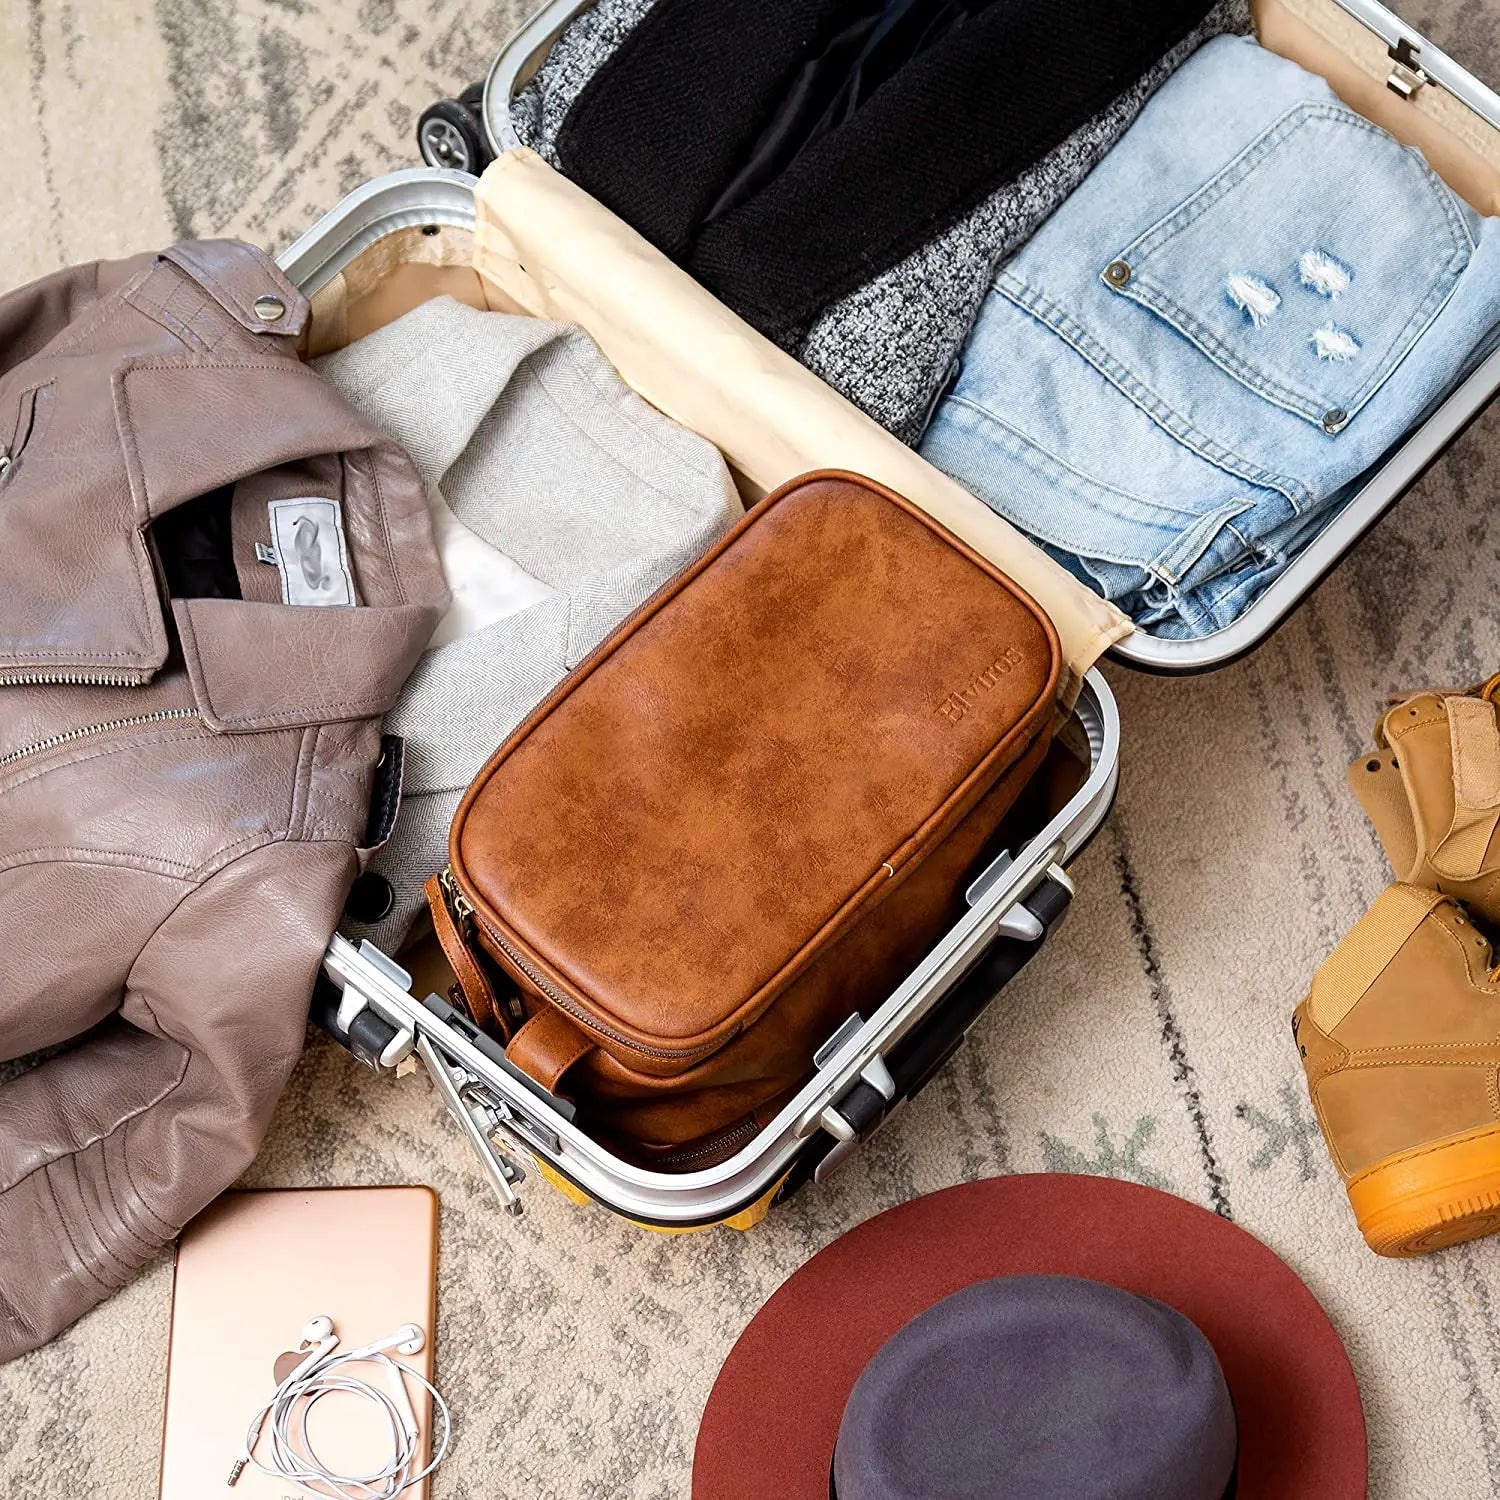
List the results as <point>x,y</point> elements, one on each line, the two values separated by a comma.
<point>746,816</point>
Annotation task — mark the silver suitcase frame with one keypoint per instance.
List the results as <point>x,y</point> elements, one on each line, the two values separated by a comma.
<point>1415,64</point>
<point>862,1074</point>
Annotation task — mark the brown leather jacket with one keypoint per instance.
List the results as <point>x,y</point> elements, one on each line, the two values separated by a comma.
<point>186,760</point>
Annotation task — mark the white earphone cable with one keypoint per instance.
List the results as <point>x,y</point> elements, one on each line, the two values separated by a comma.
<point>320,1374</point>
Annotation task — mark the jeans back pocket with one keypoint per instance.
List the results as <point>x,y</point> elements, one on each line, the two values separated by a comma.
<point>1309,266</point>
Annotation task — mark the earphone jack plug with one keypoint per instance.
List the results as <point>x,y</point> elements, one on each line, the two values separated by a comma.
<point>236,1471</point>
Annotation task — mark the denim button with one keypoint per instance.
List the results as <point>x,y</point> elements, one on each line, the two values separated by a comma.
<point>1336,420</point>
<point>1117,273</point>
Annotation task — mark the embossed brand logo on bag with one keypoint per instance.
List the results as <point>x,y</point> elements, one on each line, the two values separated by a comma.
<point>959,702</point>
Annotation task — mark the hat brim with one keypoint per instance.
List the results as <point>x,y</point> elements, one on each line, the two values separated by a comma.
<point>774,1412</point>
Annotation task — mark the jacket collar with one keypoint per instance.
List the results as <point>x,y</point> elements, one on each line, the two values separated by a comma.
<point>181,380</point>
<point>265,666</point>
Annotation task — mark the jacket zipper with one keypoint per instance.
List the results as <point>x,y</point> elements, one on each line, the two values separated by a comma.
<point>70,679</point>
<point>467,913</point>
<point>25,422</point>
<point>57,741</point>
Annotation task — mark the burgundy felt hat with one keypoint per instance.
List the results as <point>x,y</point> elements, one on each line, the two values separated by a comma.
<point>773,1416</point>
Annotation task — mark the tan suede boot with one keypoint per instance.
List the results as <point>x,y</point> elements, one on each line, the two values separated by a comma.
<point>1400,1038</point>
<point>1431,787</point>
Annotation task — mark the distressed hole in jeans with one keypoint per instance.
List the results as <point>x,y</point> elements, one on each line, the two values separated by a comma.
<point>1257,299</point>
<point>1335,344</point>
<point>1324,274</point>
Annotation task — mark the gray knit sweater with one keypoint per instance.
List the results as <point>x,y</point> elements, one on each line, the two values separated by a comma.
<point>891,345</point>
<point>560,501</point>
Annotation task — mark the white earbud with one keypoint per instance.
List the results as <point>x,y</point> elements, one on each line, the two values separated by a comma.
<point>316,1330</point>
<point>407,1339</point>
<point>319,1371</point>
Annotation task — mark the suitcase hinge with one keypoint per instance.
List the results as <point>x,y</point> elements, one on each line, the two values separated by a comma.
<point>479,1117</point>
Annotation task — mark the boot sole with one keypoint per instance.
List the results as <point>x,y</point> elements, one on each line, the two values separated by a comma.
<point>1431,1196</point>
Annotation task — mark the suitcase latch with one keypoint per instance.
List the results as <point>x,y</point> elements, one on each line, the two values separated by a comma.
<point>1406,77</point>
<point>388,1036</point>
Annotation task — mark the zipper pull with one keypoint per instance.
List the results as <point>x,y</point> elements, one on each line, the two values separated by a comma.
<point>458,903</point>
<point>462,910</point>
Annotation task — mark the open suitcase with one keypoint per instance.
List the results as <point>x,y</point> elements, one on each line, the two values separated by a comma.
<point>880,1058</point>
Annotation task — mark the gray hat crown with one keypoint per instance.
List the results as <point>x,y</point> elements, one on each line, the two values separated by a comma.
<point>1040,1387</point>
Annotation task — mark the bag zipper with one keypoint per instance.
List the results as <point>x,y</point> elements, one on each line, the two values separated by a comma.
<point>458,903</point>
<point>57,741</point>
<point>466,913</point>
<point>718,1148</point>
<point>463,919</point>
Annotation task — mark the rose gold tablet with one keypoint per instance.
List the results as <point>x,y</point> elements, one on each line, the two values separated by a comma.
<point>252,1270</point>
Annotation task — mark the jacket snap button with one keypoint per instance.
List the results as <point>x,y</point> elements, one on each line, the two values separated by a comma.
<point>370,898</point>
<point>1335,420</point>
<point>269,309</point>
<point>1117,273</point>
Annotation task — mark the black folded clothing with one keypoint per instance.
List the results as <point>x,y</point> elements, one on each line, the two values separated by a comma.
<point>785,152</point>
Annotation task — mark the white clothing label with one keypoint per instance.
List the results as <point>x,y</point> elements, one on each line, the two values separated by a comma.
<point>312,556</point>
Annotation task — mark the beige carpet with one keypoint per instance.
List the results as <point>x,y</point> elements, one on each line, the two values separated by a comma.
<point>1150,1041</point>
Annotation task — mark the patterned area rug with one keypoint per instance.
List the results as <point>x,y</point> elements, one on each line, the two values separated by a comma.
<point>1150,1041</point>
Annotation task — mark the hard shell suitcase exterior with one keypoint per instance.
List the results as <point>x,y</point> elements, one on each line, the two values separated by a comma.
<point>883,1056</point>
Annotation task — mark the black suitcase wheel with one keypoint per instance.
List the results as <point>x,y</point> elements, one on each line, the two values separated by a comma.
<point>449,134</point>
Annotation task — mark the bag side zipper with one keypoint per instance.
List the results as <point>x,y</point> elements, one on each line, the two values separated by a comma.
<point>68,737</point>
<point>462,912</point>
<point>466,913</point>
<point>718,1148</point>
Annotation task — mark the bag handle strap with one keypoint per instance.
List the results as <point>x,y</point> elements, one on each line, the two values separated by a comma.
<point>547,1046</point>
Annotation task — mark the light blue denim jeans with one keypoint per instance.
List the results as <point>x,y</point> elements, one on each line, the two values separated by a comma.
<point>1245,305</point>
